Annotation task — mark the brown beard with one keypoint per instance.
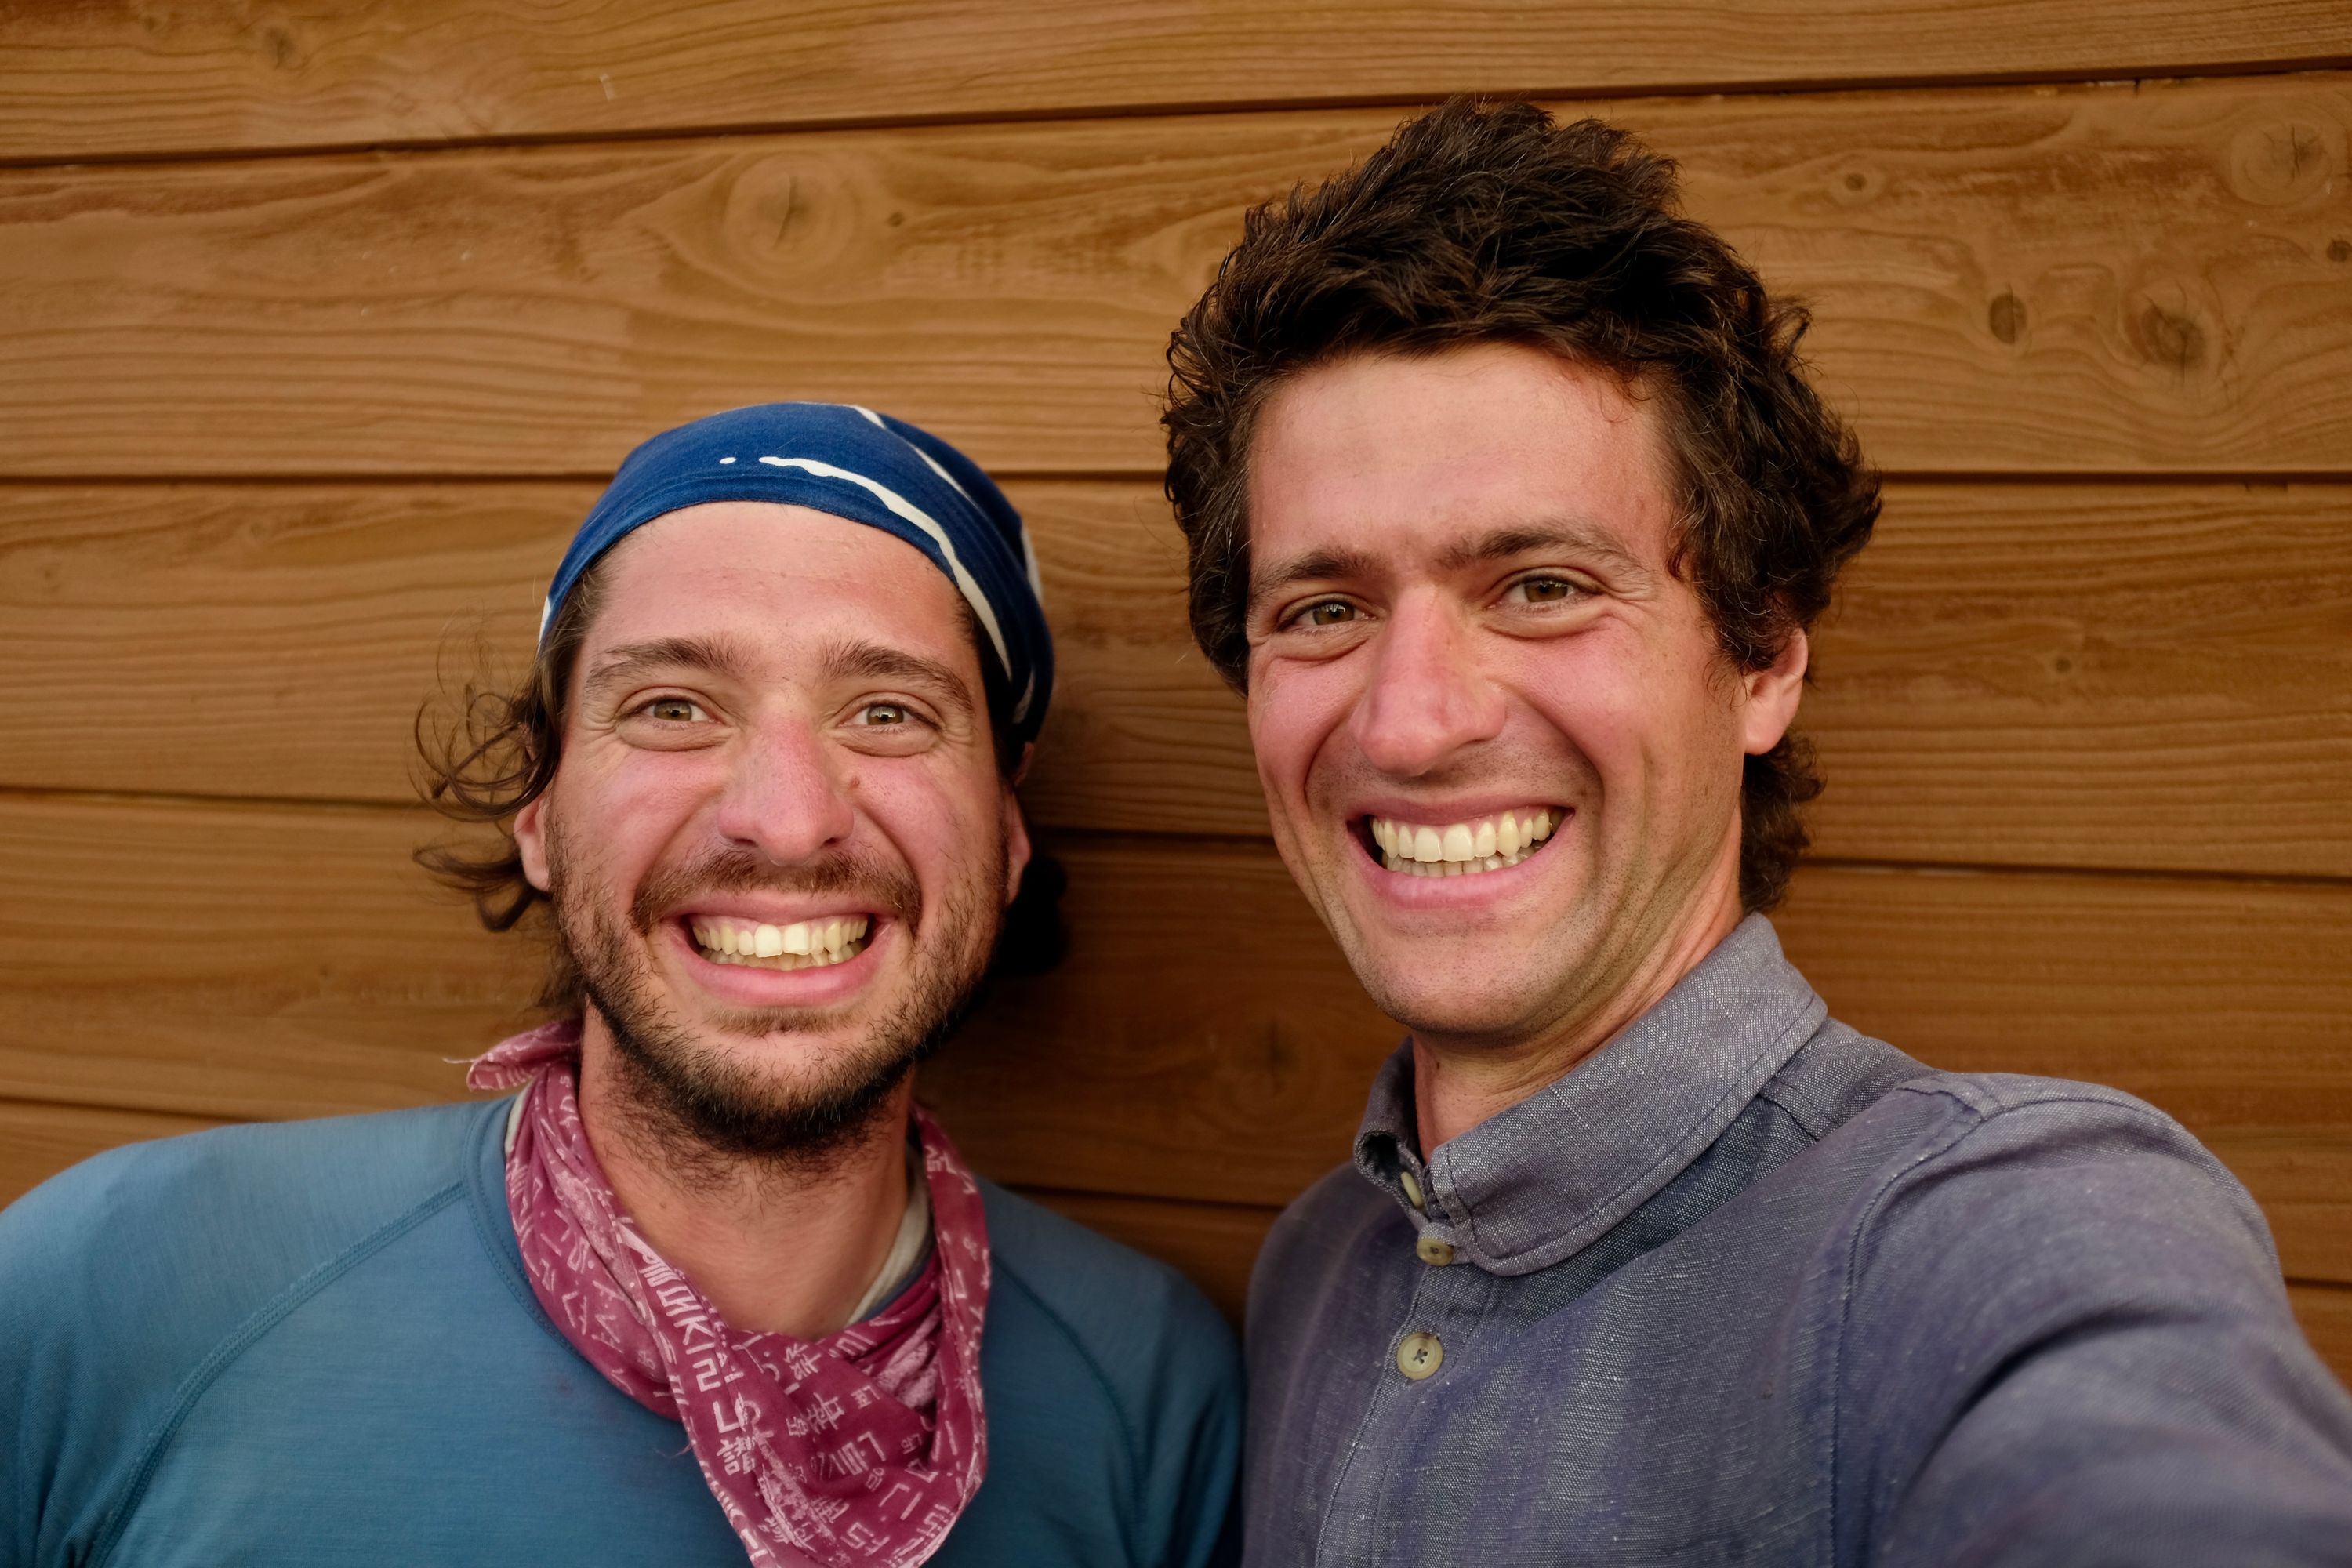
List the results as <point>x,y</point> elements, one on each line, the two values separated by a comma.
<point>693,1101</point>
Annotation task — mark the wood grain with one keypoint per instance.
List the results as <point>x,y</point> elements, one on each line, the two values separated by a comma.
<point>2083,278</point>
<point>2126,676</point>
<point>1204,1040</point>
<point>238,961</point>
<point>117,78</point>
<point>2142,677</point>
<point>36,1141</point>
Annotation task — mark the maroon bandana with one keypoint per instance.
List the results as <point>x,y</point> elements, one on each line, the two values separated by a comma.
<point>857,1448</point>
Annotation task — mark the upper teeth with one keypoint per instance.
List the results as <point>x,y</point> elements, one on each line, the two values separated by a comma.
<point>823,938</point>
<point>1488,844</point>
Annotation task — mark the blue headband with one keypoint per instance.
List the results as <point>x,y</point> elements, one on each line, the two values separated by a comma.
<point>868,467</point>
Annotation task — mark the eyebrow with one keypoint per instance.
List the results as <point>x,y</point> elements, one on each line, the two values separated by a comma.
<point>1314,566</point>
<point>846,661</point>
<point>1576,534</point>
<point>715,655</point>
<point>879,661</point>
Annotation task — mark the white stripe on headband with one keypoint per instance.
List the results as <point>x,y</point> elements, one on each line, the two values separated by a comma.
<point>900,506</point>
<point>1028,552</point>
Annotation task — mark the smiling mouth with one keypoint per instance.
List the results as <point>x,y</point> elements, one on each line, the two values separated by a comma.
<point>1461,848</point>
<point>803,944</point>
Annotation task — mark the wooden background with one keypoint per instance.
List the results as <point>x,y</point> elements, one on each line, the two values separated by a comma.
<point>320,324</point>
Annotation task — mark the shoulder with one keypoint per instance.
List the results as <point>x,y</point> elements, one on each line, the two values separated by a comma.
<point>126,1282</point>
<point>1116,1309</point>
<point>2025,1124</point>
<point>283,1186</point>
<point>212,1224</point>
<point>2043,1193</point>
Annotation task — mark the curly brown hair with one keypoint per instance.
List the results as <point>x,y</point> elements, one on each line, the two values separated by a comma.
<point>1489,223</point>
<point>497,752</point>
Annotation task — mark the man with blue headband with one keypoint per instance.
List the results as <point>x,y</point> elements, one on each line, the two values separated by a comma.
<point>710,1287</point>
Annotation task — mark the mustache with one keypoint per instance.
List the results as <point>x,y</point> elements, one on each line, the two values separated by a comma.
<point>886,889</point>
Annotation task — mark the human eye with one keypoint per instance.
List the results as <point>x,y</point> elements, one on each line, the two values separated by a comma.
<point>884,715</point>
<point>670,721</point>
<point>1323,613</point>
<point>673,710</point>
<point>889,727</point>
<point>1543,588</point>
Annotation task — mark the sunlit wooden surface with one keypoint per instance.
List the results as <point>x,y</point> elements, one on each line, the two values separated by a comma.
<point>318,328</point>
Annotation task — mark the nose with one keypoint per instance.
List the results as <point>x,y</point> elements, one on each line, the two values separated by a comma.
<point>1427,696</point>
<point>785,795</point>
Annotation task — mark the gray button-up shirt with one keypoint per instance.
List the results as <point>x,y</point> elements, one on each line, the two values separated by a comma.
<point>1748,1287</point>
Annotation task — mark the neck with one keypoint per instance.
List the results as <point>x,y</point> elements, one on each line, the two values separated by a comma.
<point>1458,1084</point>
<point>774,1248</point>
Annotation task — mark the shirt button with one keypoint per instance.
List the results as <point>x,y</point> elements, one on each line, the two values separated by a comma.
<point>1433,1251</point>
<point>1411,1188</point>
<point>1420,1355</point>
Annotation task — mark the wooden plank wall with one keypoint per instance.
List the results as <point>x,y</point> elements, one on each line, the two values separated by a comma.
<point>319,324</point>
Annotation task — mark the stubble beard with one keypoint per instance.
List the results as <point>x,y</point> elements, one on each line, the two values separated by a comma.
<point>702,1106</point>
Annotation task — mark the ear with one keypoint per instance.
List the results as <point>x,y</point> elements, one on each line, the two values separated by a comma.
<point>1771,696</point>
<point>1017,841</point>
<point>530,840</point>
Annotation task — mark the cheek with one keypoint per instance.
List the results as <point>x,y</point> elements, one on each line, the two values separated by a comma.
<point>619,819</point>
<point>940,820</point>
<point>1293,710</point>
<point>1637,713</point>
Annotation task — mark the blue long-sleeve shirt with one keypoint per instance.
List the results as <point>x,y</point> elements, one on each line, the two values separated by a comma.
<point>1746,1287</point>
<point>313,1344</point>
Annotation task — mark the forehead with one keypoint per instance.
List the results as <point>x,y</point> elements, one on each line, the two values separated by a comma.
<point>1404,458</point>
<point>775,577</point>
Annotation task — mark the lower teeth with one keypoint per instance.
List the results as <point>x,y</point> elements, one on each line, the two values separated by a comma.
<point>1458,868</point>
<point>785,959</point>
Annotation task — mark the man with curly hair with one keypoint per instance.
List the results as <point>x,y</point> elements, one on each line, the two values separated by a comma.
<point>1509,507</point>
<point>710,1288</point>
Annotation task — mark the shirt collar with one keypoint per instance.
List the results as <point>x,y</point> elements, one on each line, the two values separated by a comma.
<point>1547,1177</point>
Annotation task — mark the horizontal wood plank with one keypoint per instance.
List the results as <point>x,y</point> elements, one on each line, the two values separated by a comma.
<point>239,962</point>
<point>115,79</point>
<point>2083,279</point>
<point>1204,1041</point>
<point>36,1141</point>
<point>2123,676</point>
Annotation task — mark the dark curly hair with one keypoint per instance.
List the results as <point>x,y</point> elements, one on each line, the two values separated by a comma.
<point>497,752</point>
<point>1490,223</point>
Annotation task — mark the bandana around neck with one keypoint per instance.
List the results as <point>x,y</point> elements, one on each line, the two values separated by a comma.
<point>861,1447</point>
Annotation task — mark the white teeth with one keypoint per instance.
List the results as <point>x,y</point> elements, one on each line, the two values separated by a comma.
<point>1462,848</point>
<point>803,944</point>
